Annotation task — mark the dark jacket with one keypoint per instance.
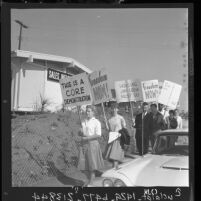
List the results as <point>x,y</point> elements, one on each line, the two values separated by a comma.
<point>158,123</point>
<point>147,125</point>
<point>125,137</point>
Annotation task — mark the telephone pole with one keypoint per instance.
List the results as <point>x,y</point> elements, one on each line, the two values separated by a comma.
<point>20,36</point>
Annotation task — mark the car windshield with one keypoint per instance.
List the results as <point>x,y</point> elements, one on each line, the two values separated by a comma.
<point>173,144</point>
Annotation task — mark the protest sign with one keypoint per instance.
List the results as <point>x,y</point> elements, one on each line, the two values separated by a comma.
<point>170,94</point>
<point>127,91</point>
<point>99,86</point>
<point>150,90</point>
<point>75,90</point>
<point>160,85</point>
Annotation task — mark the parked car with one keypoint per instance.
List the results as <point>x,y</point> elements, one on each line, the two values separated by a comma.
<point>167,165</point>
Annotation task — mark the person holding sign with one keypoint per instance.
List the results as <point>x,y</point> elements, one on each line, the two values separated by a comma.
<point>115,151</point>
<point>91,131</point>
<point>143,121</point>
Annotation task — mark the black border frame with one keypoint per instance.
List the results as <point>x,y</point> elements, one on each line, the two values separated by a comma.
<point>24,193</point>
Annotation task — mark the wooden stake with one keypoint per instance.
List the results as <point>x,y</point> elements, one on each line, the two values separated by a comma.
<point>105,116</point>
<point>78,110</point>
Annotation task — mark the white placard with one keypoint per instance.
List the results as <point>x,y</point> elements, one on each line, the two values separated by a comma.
<point>127,91</point>
<point>170,94</point>
<point>76,90</point>
<point>100,89</point>
<point>150,90</point>
<point>160,85</point>
<point>113,136</point>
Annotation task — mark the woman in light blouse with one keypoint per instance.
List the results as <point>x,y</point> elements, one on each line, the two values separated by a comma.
<point>91,130</point>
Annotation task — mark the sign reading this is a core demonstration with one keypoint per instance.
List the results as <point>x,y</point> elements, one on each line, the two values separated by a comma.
<point>75,90</point>
<point>150,90</point>
<point>99,86</point>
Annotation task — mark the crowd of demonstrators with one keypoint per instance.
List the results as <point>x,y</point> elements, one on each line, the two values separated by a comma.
<point>147,123</point>
<point>115,151</point>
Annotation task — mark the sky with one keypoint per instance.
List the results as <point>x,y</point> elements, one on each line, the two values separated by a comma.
<point>131,43</point>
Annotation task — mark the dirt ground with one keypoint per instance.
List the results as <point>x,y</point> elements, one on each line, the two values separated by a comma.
<point>45,147</point>
<point>43,144</point>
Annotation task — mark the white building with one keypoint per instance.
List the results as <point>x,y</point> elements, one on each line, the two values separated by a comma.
<point>36,76</point>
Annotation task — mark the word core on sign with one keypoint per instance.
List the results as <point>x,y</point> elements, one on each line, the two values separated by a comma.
<point>75,90</point>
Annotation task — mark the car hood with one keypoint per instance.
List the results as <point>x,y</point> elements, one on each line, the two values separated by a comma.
<point>154,170</point>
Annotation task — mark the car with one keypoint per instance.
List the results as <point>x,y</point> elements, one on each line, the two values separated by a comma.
<point>166,165</point>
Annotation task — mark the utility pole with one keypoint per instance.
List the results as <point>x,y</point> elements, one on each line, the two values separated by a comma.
<point>20,36</point>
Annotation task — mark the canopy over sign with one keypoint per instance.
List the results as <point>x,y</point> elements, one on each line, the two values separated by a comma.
<point>150,90</point>
<point>75,90</point>
<point>99,86</point>
<point>170,94</point>
<point>128,91</point>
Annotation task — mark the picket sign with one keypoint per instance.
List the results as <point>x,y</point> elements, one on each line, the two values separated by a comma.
<point>170,94</point>
<point>128,90</point>
<point>160,84</point>
<point>99,85</point>
<point>76,90</point>
<point>100,89</point>
<point>150,90</point>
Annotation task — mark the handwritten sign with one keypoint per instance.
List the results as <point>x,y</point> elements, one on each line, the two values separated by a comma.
<point>99,86</point>
<point>128,91</point>
<point>160,85</point>
<point>75,90</point>
<point>54,75</point>
<point>150,90</point>
<point>170,94</point>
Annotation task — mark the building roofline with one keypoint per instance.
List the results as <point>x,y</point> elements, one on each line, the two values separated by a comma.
<point>49,57</point>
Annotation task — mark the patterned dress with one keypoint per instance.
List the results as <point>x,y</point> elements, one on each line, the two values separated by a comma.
<point>115,151</point>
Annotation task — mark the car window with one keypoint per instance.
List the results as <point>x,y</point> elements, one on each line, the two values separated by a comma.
<point>172,144</point>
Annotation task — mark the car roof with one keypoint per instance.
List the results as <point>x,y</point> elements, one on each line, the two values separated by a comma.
<point>172,132</point>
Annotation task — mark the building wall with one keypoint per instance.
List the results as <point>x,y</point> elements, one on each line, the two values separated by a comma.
<point>29,81</point>
<point>31,86</point>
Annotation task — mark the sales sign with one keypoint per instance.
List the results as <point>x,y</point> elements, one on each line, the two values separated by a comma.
<point>54,75</point>
<point>170,94</point>
<point>100,89</point>
<point>150,90</point>
<point>76,90</point>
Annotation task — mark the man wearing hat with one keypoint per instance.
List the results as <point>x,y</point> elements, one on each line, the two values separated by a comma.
<point>143,123</point>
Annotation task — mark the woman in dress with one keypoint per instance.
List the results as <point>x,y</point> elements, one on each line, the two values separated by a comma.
<point>91,131</point>
<point>115,151</point>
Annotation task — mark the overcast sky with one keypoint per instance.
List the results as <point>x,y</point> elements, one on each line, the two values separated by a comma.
<point>130,43</point>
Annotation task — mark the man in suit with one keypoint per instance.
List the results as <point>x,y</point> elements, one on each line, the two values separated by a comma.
<point>144,119</point>
<point>157,122</point>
